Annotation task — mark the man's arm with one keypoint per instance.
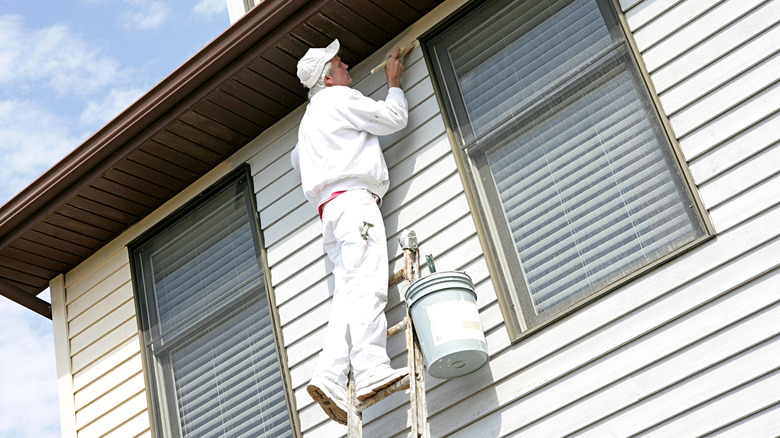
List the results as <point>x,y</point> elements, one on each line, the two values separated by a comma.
<point>380,117</point>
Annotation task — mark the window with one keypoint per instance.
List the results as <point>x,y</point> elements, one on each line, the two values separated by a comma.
<point>208,331</point>
<point>575,177</point>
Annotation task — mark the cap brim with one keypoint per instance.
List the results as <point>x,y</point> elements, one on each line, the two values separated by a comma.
<point>332,50</point>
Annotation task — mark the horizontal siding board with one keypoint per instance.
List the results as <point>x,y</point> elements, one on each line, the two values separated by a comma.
<point>112,359</point>
<point>726,409</point>
<point>732,122</point>
<point>686,26</point>
<point>747,204</point>
<point>417,186</point>
<point>430,131</point>
<point>275,232</point>
<point>290,244</point>
<point>137,426</point>
<point>109,401</point>
<point>601,356</point>
<point>129,409</point>
<point>291,199</point>
<point>736,149</point>
<point>626,5</point>
<point>307,276</point>
<point>124,331</point>
<point>733,64</point>
<point>736,34</point>
<point>112,275</point>
<point>102,326</point>
<point>298,305</point>
<point>298,260</point>
<point>108,381</point>
<point>764,358</point>
<point>645,11</point>
<point>724,98</point>
<point>265,179</point>
<point>741,177</point>
<point>761,423</point>
<point>113,300</point>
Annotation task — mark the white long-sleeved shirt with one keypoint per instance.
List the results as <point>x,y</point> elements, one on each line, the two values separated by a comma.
<point>338,148</point>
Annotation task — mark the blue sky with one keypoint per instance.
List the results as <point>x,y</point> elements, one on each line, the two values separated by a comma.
<point>67,67</point>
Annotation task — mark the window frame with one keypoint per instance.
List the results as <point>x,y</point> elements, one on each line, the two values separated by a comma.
<point>158,376</point>
<point>486,208</point>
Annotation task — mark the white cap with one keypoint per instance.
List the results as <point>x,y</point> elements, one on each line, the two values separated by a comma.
<point>313,62</point>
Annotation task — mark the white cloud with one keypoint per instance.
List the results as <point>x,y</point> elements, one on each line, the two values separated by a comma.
<point>210,8</point>
<point>145,15</point>
<point>27,374</point>
<point>54,57</point>
<point>33,139</point>
<point>99,112</point>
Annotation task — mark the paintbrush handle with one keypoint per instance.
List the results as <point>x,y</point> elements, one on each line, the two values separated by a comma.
<point>403,51</point>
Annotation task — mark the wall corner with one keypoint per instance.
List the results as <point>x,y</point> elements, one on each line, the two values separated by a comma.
<point>62,355</point>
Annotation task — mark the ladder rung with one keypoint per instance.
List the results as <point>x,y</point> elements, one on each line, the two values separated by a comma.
<point>400,385</point>
<point>396,278</point>
<point>394,330</point>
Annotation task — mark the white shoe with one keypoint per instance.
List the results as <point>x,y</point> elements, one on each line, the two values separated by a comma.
<point>380,381</point>
<point>331,397</point>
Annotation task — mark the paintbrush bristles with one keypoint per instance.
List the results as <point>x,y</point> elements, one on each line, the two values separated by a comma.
<point>402,51</point>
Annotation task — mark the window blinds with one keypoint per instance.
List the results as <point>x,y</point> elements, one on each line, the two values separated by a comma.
<point>214,340</point>
<point>207,258</point>
<point>586,193</point>
<point>579,174</point>
<point>515,57</point>
<point>227,380</point>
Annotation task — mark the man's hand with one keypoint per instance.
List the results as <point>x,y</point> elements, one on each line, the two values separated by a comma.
<point>394,70</point>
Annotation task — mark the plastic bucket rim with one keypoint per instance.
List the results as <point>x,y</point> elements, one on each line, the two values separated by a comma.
<point>411,297</point>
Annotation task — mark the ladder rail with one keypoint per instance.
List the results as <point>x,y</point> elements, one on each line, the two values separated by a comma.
<point>415,381</point>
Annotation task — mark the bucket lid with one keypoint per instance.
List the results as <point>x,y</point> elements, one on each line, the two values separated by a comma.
<point>436,282</point>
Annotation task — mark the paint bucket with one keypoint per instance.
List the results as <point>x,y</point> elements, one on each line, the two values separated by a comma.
<point>443,307</point>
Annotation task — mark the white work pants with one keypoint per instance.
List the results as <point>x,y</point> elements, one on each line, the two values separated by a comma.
<point>357,328</point>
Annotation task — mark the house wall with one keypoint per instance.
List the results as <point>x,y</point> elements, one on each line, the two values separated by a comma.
<point>691,346</point>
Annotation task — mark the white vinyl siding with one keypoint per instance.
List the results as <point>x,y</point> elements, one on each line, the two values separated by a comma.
<point>109,394</point>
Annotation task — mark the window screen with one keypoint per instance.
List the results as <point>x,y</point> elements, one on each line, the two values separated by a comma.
<point>207,325</point>
<point>574,173</point>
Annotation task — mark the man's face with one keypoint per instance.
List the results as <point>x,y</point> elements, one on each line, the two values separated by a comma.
<point>340,74</point>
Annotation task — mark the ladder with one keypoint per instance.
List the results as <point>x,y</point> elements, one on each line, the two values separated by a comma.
<point>415,381</point>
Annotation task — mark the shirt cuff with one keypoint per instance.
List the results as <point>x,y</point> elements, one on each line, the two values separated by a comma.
<point>395,92</point>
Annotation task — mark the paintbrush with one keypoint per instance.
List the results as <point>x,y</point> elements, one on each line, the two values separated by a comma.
<point>402,51</point>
